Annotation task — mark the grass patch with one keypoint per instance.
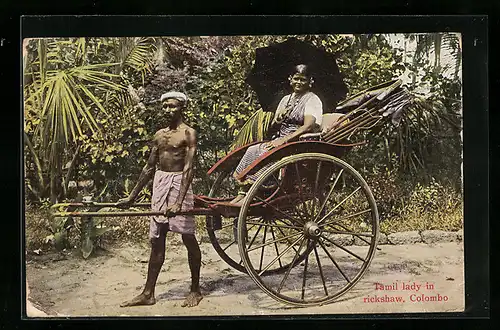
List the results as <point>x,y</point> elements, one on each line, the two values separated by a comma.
<point>428,207</point>
<point>447,220</point>
<point>37,228</point>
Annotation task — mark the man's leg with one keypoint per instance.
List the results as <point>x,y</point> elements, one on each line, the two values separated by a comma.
<point>156,259</point>
<point>194,258</point>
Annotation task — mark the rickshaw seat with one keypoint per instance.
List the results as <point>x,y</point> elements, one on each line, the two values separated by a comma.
<point>329,119</point>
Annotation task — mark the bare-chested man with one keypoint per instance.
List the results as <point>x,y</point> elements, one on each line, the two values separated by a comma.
<point>173,150</point>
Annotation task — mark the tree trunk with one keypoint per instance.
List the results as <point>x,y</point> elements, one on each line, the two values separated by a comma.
<point>458,60</point>
<point>55,174</point>
<point>53,184</point>
<point>160,52</point>
<point>36,160</point>
<point>70,171</point>
<point>387,153</point>
<point>437,52</point>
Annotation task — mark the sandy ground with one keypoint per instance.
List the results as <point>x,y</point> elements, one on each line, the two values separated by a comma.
<point>67,285</point>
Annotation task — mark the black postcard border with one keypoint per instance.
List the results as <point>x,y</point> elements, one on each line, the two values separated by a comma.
<point>476,147</point>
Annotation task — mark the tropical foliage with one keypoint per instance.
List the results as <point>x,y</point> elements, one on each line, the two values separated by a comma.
<point>74,90</point>
<point>91,108</point>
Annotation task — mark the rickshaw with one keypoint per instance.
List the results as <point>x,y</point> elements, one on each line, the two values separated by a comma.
<point>308,228</point>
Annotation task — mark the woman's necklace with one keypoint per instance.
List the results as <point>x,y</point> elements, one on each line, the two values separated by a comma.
<point>295,98</point>
<point>288,107</point>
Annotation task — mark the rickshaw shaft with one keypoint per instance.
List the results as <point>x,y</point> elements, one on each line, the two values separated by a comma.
<point>195,211</point>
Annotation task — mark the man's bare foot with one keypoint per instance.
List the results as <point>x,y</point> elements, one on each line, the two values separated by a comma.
<point>193,299</point>
<point>140,300</point>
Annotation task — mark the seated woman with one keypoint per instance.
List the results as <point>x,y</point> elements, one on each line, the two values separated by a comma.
<point>297,113</point>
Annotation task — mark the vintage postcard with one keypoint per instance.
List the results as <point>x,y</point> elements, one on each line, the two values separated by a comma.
<point>243,175</point>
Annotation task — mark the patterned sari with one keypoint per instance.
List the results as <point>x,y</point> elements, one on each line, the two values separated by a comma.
<point>292,120</point>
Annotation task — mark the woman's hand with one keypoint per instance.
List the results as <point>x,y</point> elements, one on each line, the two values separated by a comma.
<point>275,143</point>
<point>281,115</point>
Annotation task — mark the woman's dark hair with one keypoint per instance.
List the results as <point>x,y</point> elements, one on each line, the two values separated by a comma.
<point>302,69</point>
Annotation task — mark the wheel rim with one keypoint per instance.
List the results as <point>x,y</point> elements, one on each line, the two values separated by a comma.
<point>325,201</point>
<point>225,240</point>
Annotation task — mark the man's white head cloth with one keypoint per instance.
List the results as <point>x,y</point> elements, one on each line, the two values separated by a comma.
<point>174,95</point>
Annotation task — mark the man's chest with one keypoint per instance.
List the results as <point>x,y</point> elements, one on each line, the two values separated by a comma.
<point>171,139</point>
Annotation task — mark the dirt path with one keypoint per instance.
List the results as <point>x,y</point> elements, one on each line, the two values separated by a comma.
<point>70,286</point>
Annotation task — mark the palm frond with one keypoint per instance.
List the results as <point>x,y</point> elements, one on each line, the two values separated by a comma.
<point>423,120</point>
<point>67,104</point>
<point>119,100</point>
<point>254,129</point>
<point>81,50</point>
<point>138,54</point>
<point>92,74</point>
<point>42,59</point>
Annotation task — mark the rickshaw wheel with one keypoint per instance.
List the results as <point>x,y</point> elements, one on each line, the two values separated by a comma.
<point>223,232</point>
<point>221,229</point>
<point>330,207</point>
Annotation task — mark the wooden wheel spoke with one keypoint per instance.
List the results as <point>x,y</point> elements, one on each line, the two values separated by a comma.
<point>276,246</point>
<point>222,188</point>
<point>286,223</point>
<point>282,233</point>
<point>336,206</point>
<point>301,213</point>
<point>334,262</point>
<point>344,217</point>
<point>235,223</point>
<point>358,235</point>
<point>320,270</point>
<point>328,196</point>
<point>262,251</point>
<point>287,193</point>
<point>256,233</point>
<point>297,254</point>
<point>343,248</point>
<point>275,225</point>
<point>281,255</point>
<point>316,181</point>
<point>274,241</point>
<point>299,180</point>
<point>288,216</point>
<point>280,184</point>
<point>227,247</point>
<point>304,277</point>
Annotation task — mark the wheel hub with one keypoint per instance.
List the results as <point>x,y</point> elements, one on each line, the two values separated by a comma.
<point>312,230</point>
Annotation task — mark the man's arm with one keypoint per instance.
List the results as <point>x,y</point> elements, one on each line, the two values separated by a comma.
<point>146,174</point>
<point>187,173</point>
